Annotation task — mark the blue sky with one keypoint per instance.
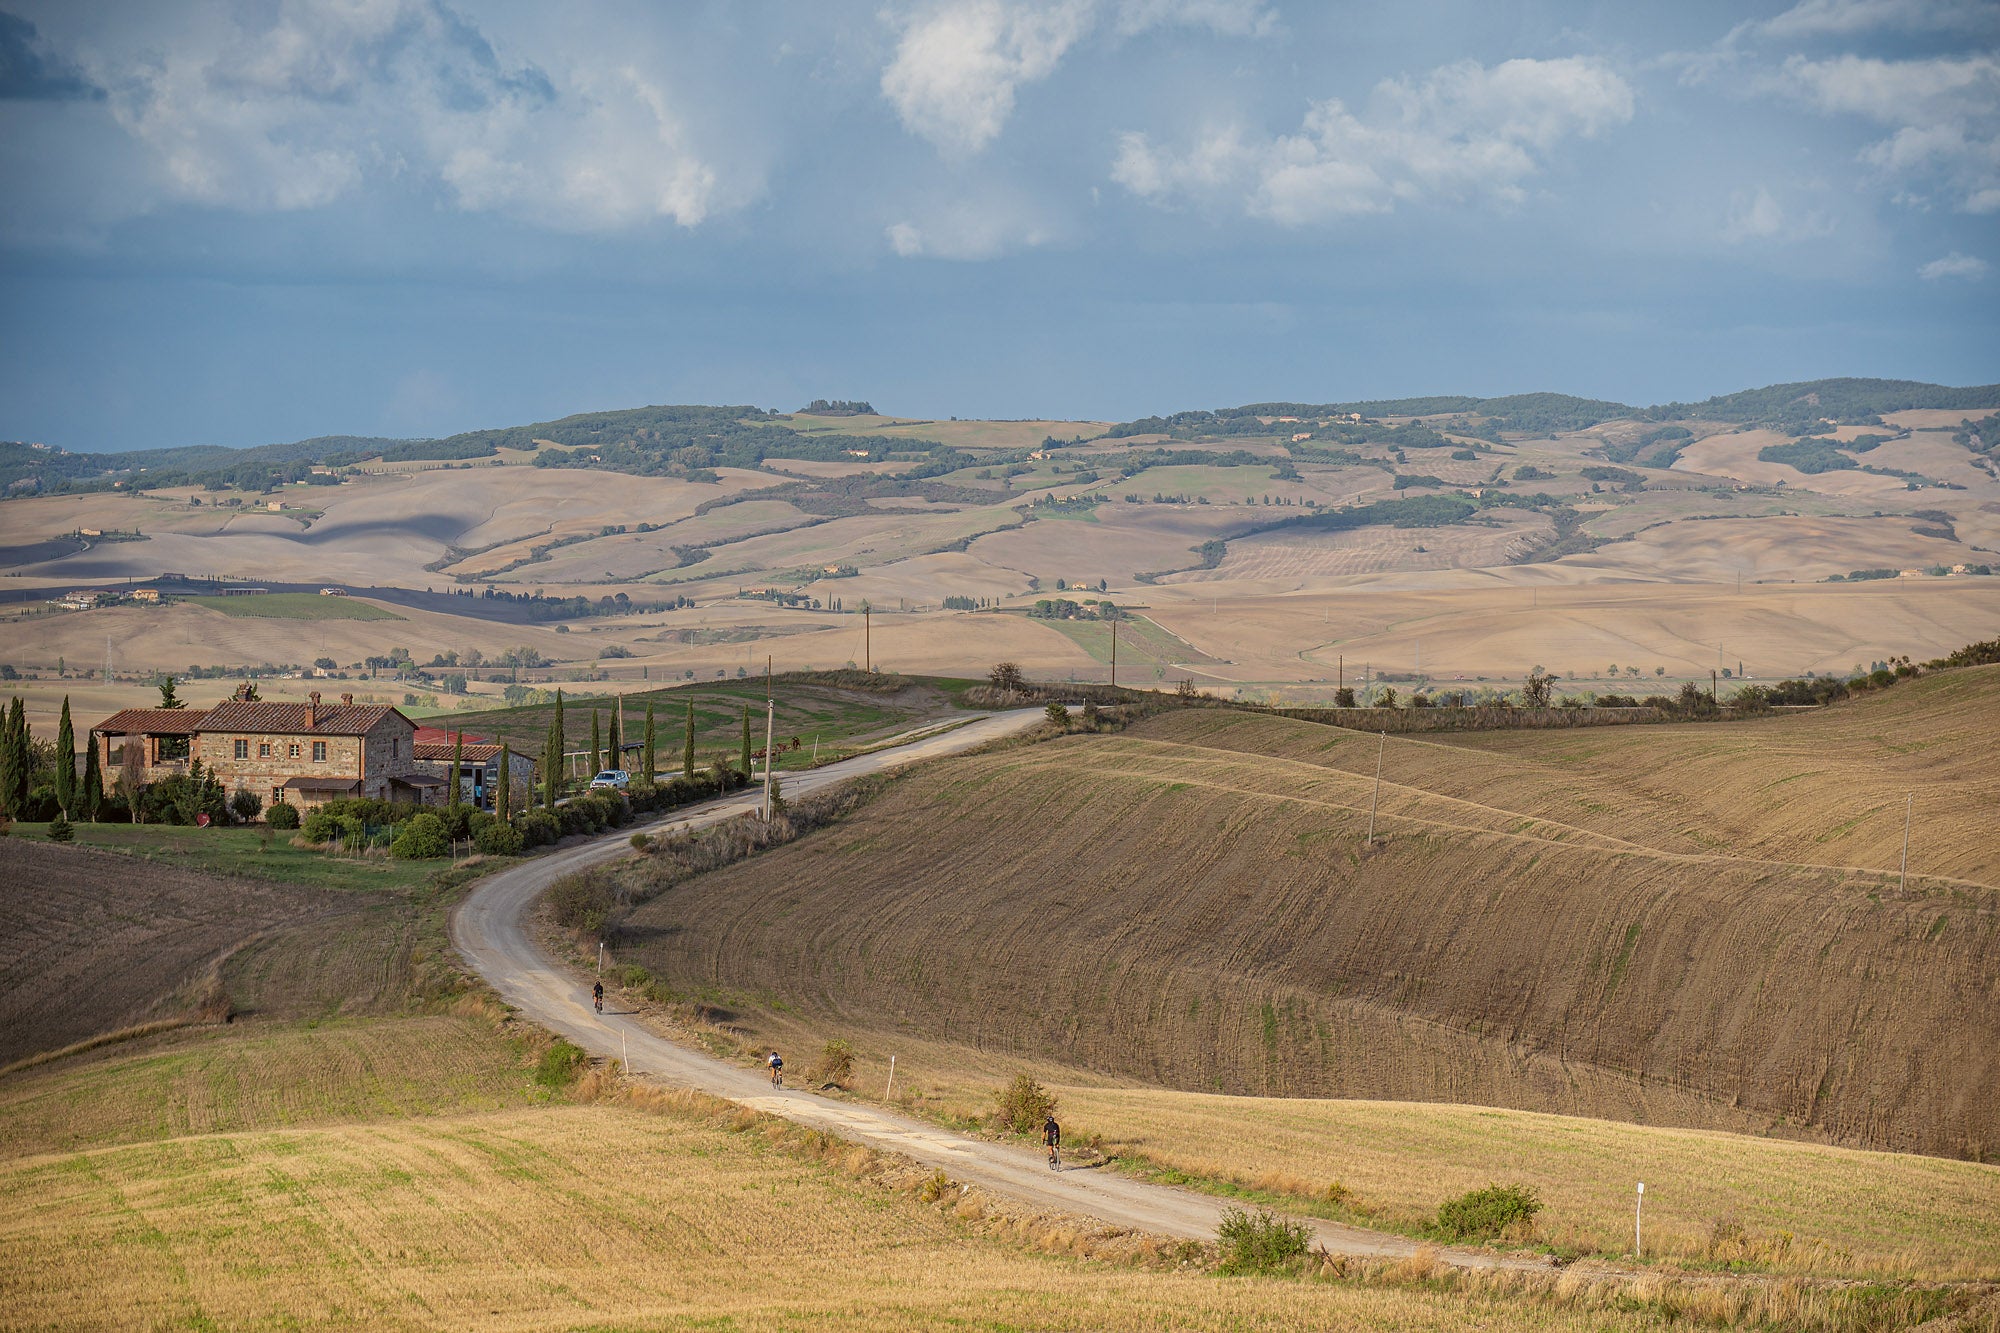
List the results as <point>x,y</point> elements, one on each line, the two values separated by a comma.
<point>262,220</point>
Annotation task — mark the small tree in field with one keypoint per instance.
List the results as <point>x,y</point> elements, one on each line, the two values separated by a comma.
<point>1058,715</point>
<point>1007,676</point>
<point>1537,689</point>
<point>1023,1105</point>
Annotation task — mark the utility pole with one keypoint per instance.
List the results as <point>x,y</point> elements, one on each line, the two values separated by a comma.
<point>1340,672</point>
<point>1908,805</point>
<point>868,637</point>
<point>1372,801</point>
<point>1114,654</point>
<point>770,721</point>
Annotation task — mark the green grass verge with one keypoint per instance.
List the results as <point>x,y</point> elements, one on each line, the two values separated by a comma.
<point>295,606</point>
<point>257,852</point>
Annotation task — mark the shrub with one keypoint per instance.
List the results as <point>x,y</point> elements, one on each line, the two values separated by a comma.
<point>539,828</point>
<point>496,838</point>
<point>836,1063</point>
<point>319,825</point>
<point>246,804</point>
<point>282,816</point>
<point>1261,1242</point>
<point>560,1064</point>
<point>582,901</point>
<point>1484,1214</point>
<point>1023,1106</point>
<point>640,842</point>
<point>60,830</point>
<point>456,819</point>
<point>1058,715</point>
<point>422,839</point>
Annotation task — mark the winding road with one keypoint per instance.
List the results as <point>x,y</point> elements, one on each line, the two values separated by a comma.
<point>490,929</point>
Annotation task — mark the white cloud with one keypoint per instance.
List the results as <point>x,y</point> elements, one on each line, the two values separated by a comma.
<point>959,63</point>
<point>1942,113</point>
<point>1757,215</point>
<point>299,104</point>
<point>1844,18</point>
<point>1463,132</point>
<point>970,229</point>
<point>1954,265</point>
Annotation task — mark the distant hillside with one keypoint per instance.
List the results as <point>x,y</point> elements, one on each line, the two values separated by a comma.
<point>1778,405</point>
<point>695,439</point>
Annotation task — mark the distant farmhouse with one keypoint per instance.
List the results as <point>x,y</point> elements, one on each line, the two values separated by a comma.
<point>303,754</point>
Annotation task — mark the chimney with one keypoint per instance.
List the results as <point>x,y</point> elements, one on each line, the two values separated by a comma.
<point>347,701</point>
<point>312,709</point>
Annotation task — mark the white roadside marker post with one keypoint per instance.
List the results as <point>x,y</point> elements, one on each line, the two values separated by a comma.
<point>1638,1248</point>
<point>892,1079</point>
<point>624,1053</point>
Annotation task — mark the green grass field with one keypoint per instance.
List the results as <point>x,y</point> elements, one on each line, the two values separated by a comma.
<point>839,721</point>
<point>257,852</point>
<point>295,606</point>
<point>1143,646</point>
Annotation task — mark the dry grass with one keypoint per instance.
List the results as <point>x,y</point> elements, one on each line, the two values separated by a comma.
<point>588,1214</point>
<point>229,1080</point>
<point>1710,1198</point>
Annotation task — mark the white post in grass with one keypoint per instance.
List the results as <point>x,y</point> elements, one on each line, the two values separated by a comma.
<point>892,1079</point>
<point>1379,752</point>
<point>624,1054</point>
<point>1908,806</point>
<point>600,958</point>
<point>1637,1236</point>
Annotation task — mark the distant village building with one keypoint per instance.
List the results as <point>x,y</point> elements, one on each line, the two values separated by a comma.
<point>146,595</point>
<point>302,754</point>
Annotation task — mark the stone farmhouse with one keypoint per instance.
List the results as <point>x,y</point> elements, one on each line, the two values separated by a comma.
<point>302,754</point>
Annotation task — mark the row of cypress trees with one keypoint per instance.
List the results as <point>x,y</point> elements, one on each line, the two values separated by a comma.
<point>603,754</point>
<point>75,796</point>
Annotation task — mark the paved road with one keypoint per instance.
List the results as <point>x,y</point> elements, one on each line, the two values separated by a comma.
<point>491,932</point>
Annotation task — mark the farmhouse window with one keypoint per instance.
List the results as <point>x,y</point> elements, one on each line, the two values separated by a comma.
<point>263,749</point>
<point>395,747</point>
<point>243,749</point>
<point>319,752</point>
<point>295,751</point>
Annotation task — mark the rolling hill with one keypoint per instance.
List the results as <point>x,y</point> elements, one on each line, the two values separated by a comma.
<point>1697,926</point>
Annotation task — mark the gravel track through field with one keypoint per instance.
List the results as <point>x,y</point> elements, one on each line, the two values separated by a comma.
<point>490,930</point>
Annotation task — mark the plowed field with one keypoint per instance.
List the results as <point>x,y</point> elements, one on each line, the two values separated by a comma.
<point>1698,926</point>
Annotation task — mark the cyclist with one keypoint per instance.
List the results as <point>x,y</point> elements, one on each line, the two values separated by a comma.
<point>777,1070</point>
<point>597,992</point>
<point>1052,1136</point>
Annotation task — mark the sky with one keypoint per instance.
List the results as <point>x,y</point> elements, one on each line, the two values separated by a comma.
<point>260,220</point>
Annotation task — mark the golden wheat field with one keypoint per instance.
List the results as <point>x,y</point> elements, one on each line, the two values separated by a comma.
<point>363,1211</point>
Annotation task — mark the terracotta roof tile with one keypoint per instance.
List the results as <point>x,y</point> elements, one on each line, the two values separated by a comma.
<point>154,721</point>
<point>292,719</point>
<point>440,752</point>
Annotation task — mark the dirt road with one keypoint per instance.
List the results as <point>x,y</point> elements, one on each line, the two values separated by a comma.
<point>491,931</point>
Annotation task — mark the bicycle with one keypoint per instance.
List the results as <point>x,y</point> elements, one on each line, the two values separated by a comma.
<point>777,1071</point>
<point>598,995</point>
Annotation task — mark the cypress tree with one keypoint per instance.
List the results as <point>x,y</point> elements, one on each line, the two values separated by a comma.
<point>614,750</point>
<point>559,735</point>
<point>651,759</point>
<point>21,754</point>
<point>66,762</point>
<point>551,765</point>
<point>503,800</point>
<point>8,762</point>
<point>746,742</point>
<point>687,748</point>
<point>92,796</point>
<point>596,747</point>
<point>457,767</point>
